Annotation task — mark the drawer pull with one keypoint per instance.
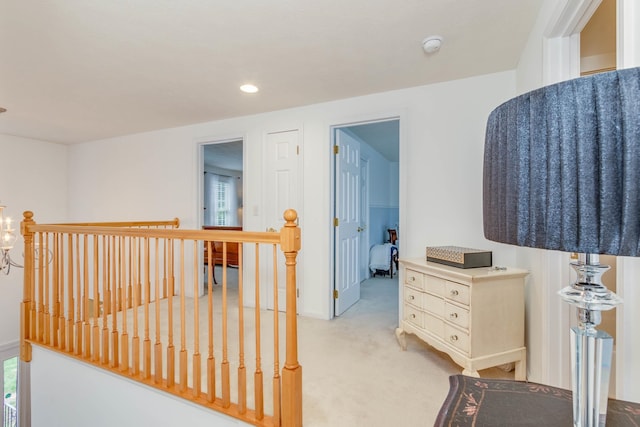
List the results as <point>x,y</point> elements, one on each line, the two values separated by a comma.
<point>412,278</point>
<point>413,316</point>
<point>453,338</point>
<point>454,292</point>
<point>411,297</point>
<point>453,315</point>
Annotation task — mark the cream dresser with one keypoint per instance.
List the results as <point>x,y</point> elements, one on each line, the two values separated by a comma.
<point>474,315</point>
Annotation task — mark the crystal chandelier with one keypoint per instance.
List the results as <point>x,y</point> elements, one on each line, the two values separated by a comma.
<point>7,240</point>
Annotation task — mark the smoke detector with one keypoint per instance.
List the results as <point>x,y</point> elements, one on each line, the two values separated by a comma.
<point>432,44</point>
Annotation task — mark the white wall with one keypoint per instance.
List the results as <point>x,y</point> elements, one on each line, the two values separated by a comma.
<point>380,184</point>
<point>154,175</point>
<point>33,177</point>
<point>64,393</point>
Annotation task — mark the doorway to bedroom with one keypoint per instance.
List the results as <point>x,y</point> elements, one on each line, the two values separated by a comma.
<point>365,201</point>
<point>222,183</point>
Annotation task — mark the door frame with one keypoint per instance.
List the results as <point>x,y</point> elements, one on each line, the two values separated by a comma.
<point>401,117</point>
<point>364,215</point>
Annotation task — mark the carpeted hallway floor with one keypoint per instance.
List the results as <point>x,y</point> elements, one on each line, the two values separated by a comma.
<point>354,371</point>
<point>356,374</point>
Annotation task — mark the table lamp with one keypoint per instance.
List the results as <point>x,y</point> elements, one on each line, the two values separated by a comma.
<point>562,172</point>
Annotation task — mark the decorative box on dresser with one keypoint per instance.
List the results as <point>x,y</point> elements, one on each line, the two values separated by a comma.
<point>474,315</point>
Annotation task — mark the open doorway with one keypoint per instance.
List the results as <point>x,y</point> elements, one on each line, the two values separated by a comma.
<point>221,202</point>
<point>365,203</point>
<point>222,184</point>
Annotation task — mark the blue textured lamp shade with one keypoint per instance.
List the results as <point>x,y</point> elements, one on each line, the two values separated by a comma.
<point>562,167</point>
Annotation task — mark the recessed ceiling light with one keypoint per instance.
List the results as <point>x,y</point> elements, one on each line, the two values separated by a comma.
<point>249,88</point>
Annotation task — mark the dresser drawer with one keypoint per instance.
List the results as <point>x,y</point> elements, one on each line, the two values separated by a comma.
<point>434,285</point>
<point>457,292</point>
<point>414,297</point>
<point>414,279</point>
<point>456,315</point>
<point>434,305</point>
<point>456,338</point>
<point>413,316</point>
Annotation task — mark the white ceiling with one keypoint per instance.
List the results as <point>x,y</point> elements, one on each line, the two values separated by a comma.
<point>81,70</point>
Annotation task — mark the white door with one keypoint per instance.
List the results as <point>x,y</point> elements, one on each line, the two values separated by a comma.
<point>347,222</point>
<point>282,193</point>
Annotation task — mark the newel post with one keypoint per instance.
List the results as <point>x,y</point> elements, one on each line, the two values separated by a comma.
<point>292,371</point>
<point>27,297</point>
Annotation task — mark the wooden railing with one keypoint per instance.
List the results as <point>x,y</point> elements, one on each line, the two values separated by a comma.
<point>115,295</point>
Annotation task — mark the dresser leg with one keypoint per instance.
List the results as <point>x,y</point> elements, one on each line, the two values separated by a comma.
<point>521,370</point>
<point>470,373</point>
<point>402,339</point>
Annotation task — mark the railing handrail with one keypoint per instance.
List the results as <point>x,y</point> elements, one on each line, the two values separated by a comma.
<point>79,278</point>
<point>175,223</point>
<point>176,234</point>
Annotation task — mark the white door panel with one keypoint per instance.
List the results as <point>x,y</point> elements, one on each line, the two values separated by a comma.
<point>281,192</point>
<point>347,212</point>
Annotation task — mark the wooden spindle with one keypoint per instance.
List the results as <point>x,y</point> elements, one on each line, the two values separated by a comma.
<point>79,299</point>
<point>197,364</point>
<point>47,293</point>
<point>276,343</point>
<point>115,344</point>
<point>40,302</point>
<point>56,291</point>
<point>226,389</point>
<point>183,334</point>
<point>171,351</point>
<point>70,303</point>
<point>146,344</point>
<point>157,377</point>
<point>85,300</point>
<point>124,337</point>
<point>257,376</point>
<point>165,270</point>
<point>106,298</point>
<point>96,300</point>
<point>130,275</point>
<point>211,361</point>
<point>62,325</point>
<point>135,341</point>
<point>242,370</point>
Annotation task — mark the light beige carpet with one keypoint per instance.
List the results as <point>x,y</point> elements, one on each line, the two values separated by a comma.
<point>354,371</point>
<point>356,374</point>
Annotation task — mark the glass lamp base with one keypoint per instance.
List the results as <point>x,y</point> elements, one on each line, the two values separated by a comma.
<point>591,369</point>
<point>592,350</point>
